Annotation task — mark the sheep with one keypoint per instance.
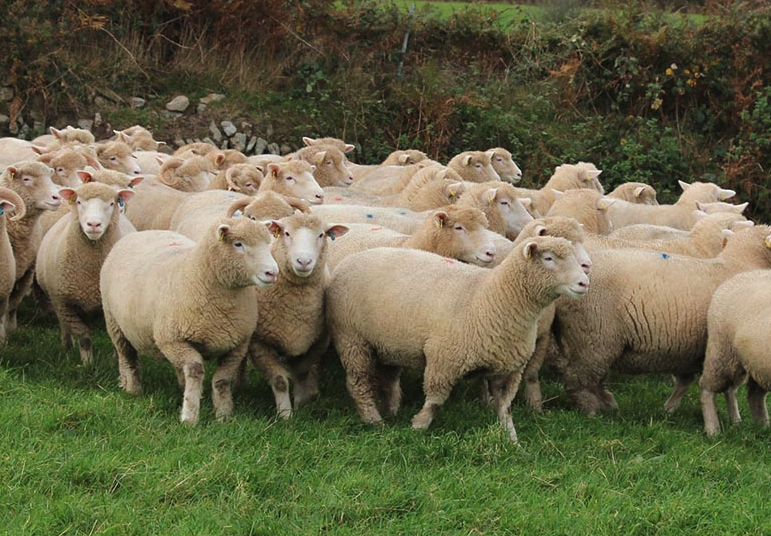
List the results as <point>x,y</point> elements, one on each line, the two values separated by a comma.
<point>474,166</point>
<point>404,158</point>
<point>737,348</point>
<point>14,150</point>
<point>150,162</point>
<point>504,165</point>
<point>154,204</point>
<point>407,178</point>
<point>268,206</point>
<point>243,178</point>
<point>429,194</point>
<point>293,178</point>
<point>32,182</point>
<point>337,143</point>
<point>199,148</point>
<point>138,138</point>
<point>679,215</point>
<point>589,207</point>
<point>645,231</point>
<point>451,231</point>
<point>330,165</point>
<point>654,322</point>
<point>196,213</point>
<point>71,255</point>
<point>188,175</point>
<point>117,156</point>
<point>9,202</point>
<point>388,308</point>
<point>387,180</point>
<point>635,192</point>
<point>70,136</point>
<point>208,307</point>
<point>262,160</point>
<point>506,212</point>
<point>583,175</point>
<point>399,219</point>
<point>705,239</point>
<point>291,337</point>
<point>66,163</point>
<point>720,206</point>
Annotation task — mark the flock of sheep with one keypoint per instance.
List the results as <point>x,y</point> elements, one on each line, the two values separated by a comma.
<point>448,269</point>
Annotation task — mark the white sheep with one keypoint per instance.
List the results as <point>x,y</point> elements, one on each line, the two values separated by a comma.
<point>9,202</point>
<point>635,192</point>
<point>583,175</point>
<point>589,207</point>
<point>399,219</point>
<point>504,165</point>
<point>647,312</point>
<point>738,324</point>
<point>389,308</point>
<point>243,178</point>
<point>32,183</point>
<point>293,178</point>
<point>66,162</point>
<point>71,255</point>
<point>330,165</point>
<point>679,215</point>
<point>291,336</point>
<point>506,212</point>
<point>474,166</point>
<point>207,306</point>
<point>117,156</point>
<point>191,174</point>
<point>138,138</point>
<point>13,150</point>
<point>454,232</point>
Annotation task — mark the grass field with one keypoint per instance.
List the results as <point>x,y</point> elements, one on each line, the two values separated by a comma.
<point>79,457</point>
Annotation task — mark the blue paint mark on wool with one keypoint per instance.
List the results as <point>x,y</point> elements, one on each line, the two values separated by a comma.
<point>665,256</point>
<point>2,211</point>
<point>370,216</point>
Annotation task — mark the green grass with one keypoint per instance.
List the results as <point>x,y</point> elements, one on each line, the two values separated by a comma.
<point>79,457</point>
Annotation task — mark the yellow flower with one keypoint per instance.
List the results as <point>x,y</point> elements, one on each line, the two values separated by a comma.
<point>623,141</point>
<point>691,82</point>
<point>669,72</point>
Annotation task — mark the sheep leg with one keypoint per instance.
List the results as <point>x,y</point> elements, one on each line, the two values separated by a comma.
<point>605,397</point>
<point>222,382</point>
<point>20,289</point>
<point>709,412</point>
<point>487,395</point>
<point>437,386</point>
<point>128,360</point>
<point>183,356</point>
<point>533,394</point>
<point>682,383</point>
<point>390,388</point>
<point>756,400</point>
<point>72,324</point>
<point>732,403</point>
<point>360,373</point>
<point>504,388</point>
<point>267,362</point>
<point>307,372</point>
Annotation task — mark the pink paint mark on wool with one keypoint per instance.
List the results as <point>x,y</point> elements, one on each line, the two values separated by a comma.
<point>339,199</point>
<point>175,244</point>
<point>376,229</point>
<point>448,261</point>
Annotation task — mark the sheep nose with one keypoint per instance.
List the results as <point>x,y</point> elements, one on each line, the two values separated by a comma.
<point>270,275</point>
<point>320,198</point>
<point>584,283</point>
<point>95,225</point>
<point>490,254</point>
<point>55,197</point>
<point>349,180</point>
<point>586,266</point>
<point>304,261</point>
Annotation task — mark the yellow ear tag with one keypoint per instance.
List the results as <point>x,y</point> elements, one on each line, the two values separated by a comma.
<point>221,237</point>
<point>602,205</point>
<point>276,233</point>
<point>490,199</point>
<point>452,193</point>
<point>71,201</point>
<point>768,242</point>
<point>441,223</point>
<point>274,173</point>
<point>528,253</point>
<point>11,174</point>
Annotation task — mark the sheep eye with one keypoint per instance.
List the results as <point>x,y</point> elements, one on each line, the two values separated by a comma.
<point>248,185</point>
<point>286,233</point>
<point>253,218</point>
<point>505,203</point>
<point>112,204</point>
<point>113,159</point>
<point>499,159</point>
<point>290,178</point>
<point>459,228</point>
<point>78,202</point>
<point>329,162</point>
<point>479,166</point>
<point>321,235</point>
<point>60,170</point>
<point>548,258</point>
<point>238,245</point>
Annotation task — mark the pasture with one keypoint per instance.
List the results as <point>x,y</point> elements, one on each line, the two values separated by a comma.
<point>80,457</point>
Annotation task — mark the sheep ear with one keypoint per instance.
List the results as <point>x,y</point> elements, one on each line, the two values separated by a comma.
<point>349,147</point>
<point>440,218</point>
<point>639,191</point>
<point>593,173</point>
<point>403,158</point>
<point>45,157</point>
<point>6,205</point>
<point>529,249</point>
<point>467,160</point>
<point>135,180</point>
<point>558,194</point>
<point>68,194</point>
<point>319,157</point>
<point>275,228</point>
<point>490,195</point>
<point>740,208</point>
<point>454,189</point>
<point>122,136</point>
<point>219,159</point>
<point>86,177</point>
<point>746,224</point>
<point>525,202</point>
<point>222,231</point>
<point>726,194</point>
<point>683,185</point>
<point>91,161</point>
<point>273,170</point>
<point>604,203</point>
<point>308,141</point>
<point>125,195</point>
<point>767,241</point>
<point>12,172</point>
<point>336,230</point>
<point>540,230</point>
<point>40,150</point>
<point>490,153</point>
<point>55,132</point>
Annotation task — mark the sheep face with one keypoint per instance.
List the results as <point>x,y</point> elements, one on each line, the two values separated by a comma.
<point>331,169</point>
<point>244,178</point>
<point>242,257</point>
<point>294,179</point>
<point>556,257</point>
<point>465,230</point>
<point>66,163</point>
<point>504,165</point>
<point>303,237</point>
<point>95,204</point>
<point>189,175</point>
<point>474,166</point>
<point>32,181</point>
<point>118,156</point>
<point>719,206</point>
<point>512,210</point>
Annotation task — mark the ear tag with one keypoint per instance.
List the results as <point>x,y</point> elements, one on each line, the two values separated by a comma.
<point>11,174</point>
<point>331,235</point>
<point>441,223</point>
<point>768,242</point>
<point>665,256</point>
<point>529,254</point>
<point>71,201</point>
<point>121,203</point>
<point>274,173</point>
<point>490,199</point>
<point>452,193</point>
<point>221,237</point>
<point>276,233</point>
<point>2,211</point>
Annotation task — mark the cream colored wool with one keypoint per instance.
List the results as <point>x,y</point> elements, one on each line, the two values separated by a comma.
<point>293,178</point>
<point>399,219</point>
<point>191,174</point>
<point>389,308</point>
<point>330,165</point>
<point>583,175</point>
<point>117,156</point>
<point>11,207</point>
<point>647,312</point>
<point>589,207</point>
<point>738,327</point>
<point>196,301</point>
<point>241,178</point>
<point>473,166</point>
<point>291,337</point>
<point>69,261</point>
<point>504,165</point>
<point>66,163</point>
<point>635,192</point>
<point>451,231</point>
<point>506,212</point>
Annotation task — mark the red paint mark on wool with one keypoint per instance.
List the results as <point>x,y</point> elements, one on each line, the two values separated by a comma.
<point>338,199</point>
<point>173,244</point>
<point>448,261</point>
<point>376,229</point>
